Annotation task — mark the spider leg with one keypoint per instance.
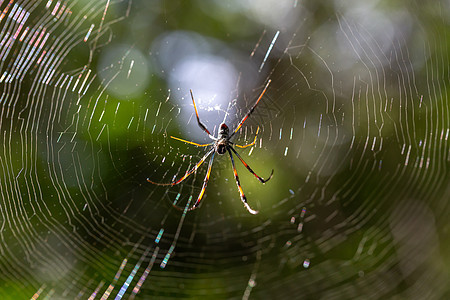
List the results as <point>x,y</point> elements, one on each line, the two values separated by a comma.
<point>251,144</point>
<point>187,173</point>
<point>205,182</point>
<point>174,204</point>
<point>189,142</point>
<point>200,196</point>
<point>251,109</point>
<point>250,169</point>
<point>200,124</point>
<point>241,192</point>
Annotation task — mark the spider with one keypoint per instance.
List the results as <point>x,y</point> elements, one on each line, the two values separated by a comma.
<point>220,145</point>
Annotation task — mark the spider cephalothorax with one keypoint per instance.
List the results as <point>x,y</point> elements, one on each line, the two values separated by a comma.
<point>220,145</point>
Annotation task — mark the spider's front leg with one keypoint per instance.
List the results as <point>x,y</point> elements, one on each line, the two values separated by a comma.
<point>238,183</point>
<point>262,180</point>
<point>192,170</point>
<point>205,182</point>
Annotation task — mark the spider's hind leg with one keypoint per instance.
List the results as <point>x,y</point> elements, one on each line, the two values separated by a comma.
<point>200,124</point>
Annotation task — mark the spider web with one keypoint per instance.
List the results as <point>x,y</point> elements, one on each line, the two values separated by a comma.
<point>355,124</point>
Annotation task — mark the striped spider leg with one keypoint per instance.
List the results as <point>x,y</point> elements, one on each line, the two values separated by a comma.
<point>220,145</point>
